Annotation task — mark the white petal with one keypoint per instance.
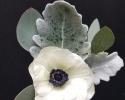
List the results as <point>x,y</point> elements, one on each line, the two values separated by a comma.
<point>43,88</point>
<point>40,77</point>
<point>90,92</point>
<point>38,98</point>
<point>38,72</point>
<point>79,69</point>
<point>53,95</point>
<point>57,58</point>
<point>75,89</point>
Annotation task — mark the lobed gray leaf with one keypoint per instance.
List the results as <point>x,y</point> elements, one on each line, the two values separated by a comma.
<point>34,51</point>
<point>85,50</point>
<point>62,26</point>
<point>37,39</point>
<point>104,66</point>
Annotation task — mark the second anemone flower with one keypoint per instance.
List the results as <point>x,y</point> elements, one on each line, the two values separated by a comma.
<point>59,74</point>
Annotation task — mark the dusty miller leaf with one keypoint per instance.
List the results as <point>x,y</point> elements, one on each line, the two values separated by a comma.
<point>62,26</point>
<point>34,51</point>
<point>104,66</point>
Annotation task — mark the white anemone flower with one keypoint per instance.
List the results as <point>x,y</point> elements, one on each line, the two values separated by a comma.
<point>59,74</point>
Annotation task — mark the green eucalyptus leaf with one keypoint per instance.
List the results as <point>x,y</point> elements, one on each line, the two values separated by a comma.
<point>26,28</point>
<point>103,40</point>
<point>26,94</point>
<point>62,26</point>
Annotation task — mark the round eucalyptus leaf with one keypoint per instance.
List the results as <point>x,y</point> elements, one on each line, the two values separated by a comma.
<point>26,28</point>
<point>26,94</point>
<point>103,40</point>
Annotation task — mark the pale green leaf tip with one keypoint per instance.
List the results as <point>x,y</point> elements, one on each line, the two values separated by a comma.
<point>109,29</point>
<point>23,32</point>
<point>97,19</point>
<point>113,36</point>
<point>27,93</point>
<point>93,29</point>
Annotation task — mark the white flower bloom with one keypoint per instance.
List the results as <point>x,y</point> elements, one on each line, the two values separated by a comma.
<point>59,74</point>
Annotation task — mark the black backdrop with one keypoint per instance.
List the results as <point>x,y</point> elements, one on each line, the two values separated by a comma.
<point>14,60</point>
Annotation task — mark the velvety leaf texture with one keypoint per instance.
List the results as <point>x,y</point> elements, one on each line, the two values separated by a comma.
<point>26,28</point>
<point>104,66</point>
<point>62,26</point>
<point>26,94</point>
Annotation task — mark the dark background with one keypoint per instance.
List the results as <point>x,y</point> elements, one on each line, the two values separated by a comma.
<point>14,60</point>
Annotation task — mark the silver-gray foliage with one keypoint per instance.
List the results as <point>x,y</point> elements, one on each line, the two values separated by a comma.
<point>26,28</point>
<point>104,66</point>
<point>63,26</point>
<point>60,26</point>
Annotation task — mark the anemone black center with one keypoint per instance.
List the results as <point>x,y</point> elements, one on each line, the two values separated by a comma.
<point>58,77</point>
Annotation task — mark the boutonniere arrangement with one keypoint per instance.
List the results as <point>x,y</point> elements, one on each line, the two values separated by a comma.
<point>69,58</point>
